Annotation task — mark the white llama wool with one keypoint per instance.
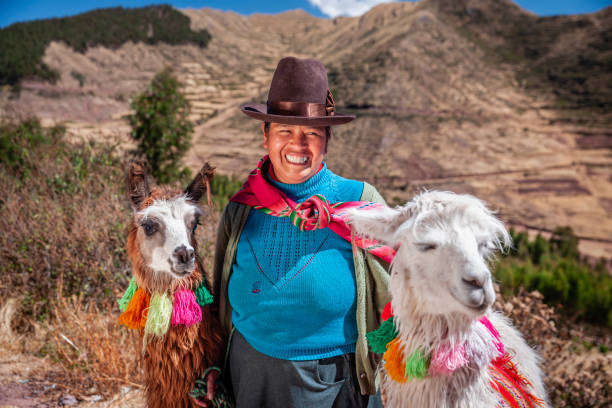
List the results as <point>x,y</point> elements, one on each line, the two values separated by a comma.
<point>441,296</point>
<point>171,221</point>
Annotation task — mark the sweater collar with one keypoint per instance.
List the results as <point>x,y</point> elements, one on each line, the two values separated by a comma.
<point>301,191</point>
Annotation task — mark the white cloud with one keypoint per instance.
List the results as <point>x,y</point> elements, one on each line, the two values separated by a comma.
<point>351,8</point>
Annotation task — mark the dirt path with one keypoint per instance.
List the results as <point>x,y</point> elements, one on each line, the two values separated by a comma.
<point>31,382</point>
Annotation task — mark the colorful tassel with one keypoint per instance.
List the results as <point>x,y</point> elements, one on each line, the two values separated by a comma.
<point>186,310</point>
<point>203,296</point>
<point>511,385</point>
<point>394,361</point>
<point>379,338</point>
<point>446,359</point>
<point>135,314</point>
<point>416,365</point>
<point>127,296</point>
<point>160,312</point>
<point>494,333</point>
<point>387,312</point>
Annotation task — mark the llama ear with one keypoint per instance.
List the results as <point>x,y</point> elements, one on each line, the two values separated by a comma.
<point>201,183</point>
<point>380,223</point>
<point>137,183</point>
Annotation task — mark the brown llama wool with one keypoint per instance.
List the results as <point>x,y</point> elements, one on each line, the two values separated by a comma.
<point>163,251</point>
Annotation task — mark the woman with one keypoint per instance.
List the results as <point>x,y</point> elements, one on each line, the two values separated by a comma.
<point>295,296</point>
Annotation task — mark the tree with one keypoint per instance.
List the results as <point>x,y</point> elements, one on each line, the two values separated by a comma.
<point>161,128</point>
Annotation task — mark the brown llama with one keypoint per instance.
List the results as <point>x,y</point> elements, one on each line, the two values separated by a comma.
<point>165,265</point>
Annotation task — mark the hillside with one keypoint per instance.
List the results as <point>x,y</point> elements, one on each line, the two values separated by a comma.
<point>473,96</point>
<point>23,44</point>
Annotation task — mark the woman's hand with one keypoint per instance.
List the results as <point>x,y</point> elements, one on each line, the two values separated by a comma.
<point>211,379</point>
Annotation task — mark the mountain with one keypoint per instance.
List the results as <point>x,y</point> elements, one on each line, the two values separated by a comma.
<point>473,96</point>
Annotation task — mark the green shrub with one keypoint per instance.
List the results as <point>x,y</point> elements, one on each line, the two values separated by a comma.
<point>554,268</point>
<point>223,188</point>
<point>23,44</point>
<point>79,77</point>
<point>18,140</point>
<point>161,128</point>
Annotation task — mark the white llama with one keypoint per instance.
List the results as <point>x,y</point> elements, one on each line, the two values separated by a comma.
<point>450,348</point>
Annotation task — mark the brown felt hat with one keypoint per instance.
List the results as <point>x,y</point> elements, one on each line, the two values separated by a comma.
<point>299,95</point>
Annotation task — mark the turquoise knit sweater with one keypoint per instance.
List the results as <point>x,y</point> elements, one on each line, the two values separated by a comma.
<point>293,292</point>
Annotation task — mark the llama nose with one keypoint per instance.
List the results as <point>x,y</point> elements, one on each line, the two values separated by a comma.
<point>184,254</point>
<point>476,280</point>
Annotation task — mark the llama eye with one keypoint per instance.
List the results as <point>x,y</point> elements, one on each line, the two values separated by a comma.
<point>149,228</point>
<point>424,247</point>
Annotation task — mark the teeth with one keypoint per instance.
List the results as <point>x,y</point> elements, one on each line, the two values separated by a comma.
<point>292,158</point>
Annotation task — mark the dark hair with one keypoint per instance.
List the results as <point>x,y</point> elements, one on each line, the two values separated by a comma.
<point>327,130</point>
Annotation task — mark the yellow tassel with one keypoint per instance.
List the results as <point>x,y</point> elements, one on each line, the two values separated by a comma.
<point>395,361</point>
<point>160,311</point>
<point>135,315</point>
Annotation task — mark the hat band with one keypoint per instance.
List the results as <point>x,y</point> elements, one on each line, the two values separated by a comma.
<point>303,109</point>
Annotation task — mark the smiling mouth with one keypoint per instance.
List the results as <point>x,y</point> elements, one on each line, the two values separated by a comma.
<point>296,159</point>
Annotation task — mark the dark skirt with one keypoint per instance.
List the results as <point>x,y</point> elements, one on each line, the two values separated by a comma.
<point>259,380</point>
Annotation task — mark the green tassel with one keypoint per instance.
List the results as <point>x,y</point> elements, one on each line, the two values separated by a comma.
<point>203,296</point>
<point>159,314</point>
<point>416,365</point>
<point>379,338</point>
<point>127,296</point>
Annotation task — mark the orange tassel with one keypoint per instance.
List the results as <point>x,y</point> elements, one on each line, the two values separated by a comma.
<point>135,315</point>
<point>395,361</point>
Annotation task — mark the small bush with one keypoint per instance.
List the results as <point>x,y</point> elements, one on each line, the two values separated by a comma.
<point>223,188</point>
<point>161,128</point>
<point>18,140</point>
<point>79,77</point>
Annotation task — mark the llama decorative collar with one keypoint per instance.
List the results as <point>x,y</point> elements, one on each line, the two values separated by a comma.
<point>153,313</point>
<point>448,358</point>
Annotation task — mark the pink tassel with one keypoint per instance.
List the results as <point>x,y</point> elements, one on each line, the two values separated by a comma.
<point>447,359</point>
<point>494,333</point>
<point>185,310</point>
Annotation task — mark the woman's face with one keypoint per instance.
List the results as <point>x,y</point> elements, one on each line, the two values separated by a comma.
<point>296,151</point>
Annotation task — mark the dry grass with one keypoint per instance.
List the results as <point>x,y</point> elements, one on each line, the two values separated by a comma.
<point>80,351</point>
<point>87,340</point>
<point>62,213</point>
<point>9,341</point>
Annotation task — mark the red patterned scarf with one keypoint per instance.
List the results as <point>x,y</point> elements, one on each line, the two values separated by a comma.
<point>313,213</point>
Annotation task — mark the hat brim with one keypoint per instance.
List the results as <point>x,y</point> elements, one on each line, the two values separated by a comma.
<point>260,111</point>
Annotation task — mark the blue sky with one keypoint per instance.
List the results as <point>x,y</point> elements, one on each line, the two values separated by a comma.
<point>12,11</point>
